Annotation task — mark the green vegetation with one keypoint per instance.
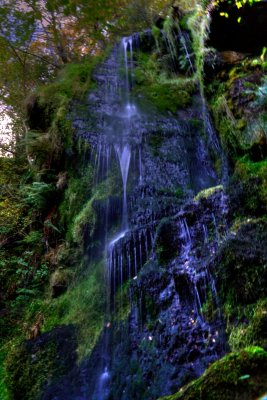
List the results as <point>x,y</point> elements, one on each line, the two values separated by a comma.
<point>252,332</point>
<point>230,377</point>
<point>122,305</point>
<point>38,207</point>
<point>166,90</point>
<point>204,194</point>
<point>83,306</point>
<point>24,383</point>
<point>48,199</point>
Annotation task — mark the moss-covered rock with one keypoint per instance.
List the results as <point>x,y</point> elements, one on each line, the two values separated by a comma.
<point>242,264</point>
<point>59,281</point>
<point>37,363</point>
<point>252,328</point>
<point>168,97</point>
<point>204,194</point>
<point>154,82</point>
<point>248,188</point>
<point>240,376</point>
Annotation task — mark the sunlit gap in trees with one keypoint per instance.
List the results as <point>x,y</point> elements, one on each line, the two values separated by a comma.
<point>5,131</point>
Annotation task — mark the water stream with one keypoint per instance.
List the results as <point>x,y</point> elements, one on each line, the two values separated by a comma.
<point>151,185</point>
<point>124,156</point>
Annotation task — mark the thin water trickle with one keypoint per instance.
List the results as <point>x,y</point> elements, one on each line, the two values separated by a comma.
<point>205,233</point>
<point>104,383</point>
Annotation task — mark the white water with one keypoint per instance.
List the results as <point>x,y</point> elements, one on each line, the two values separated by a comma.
<point>115,262</point>
<point>124,156</point>
<point>103,389</point>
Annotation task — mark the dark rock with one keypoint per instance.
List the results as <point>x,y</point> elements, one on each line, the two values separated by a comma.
<point>39,117</point>
<point>229,34</point>
<point>59,282</point>
<point>258,150</point>
<point>39,362</point>
<point>241,264</point>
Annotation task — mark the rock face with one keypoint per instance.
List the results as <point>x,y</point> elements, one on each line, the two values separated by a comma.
<point>164,253</point>
<point>42,361</point>
<point>170,256</point>
<point>237,376</point>
<point>239,29</point>
<point>175,327</point>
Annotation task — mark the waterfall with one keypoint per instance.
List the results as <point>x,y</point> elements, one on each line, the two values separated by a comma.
<point>127,43</point>
<point>140,166</point>
<point>118,264</point>
<point>124,156</point>
<point>103,386</point>
<point>125,46</point>
<point>182,38</point>
<point>143,186</point>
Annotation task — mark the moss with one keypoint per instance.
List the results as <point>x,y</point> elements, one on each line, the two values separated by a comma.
<point>33,365</point>
<point>167,93</point>
<point>168,97</point>
<point>241,375</point>
<point>226,124</point>
<point>3,376</point>
<point>209,309</point>
<point>122,303</point>
<point>83,305</point>
<point>156,34</point>
<point>50,131</point>
<point>198,24</point>
<point>27,377</point>
<point>241,265</point>
<point>204,194</point>
<point>60,280</point>
<point>252,177</point>
<point>252,328</point>
<point>78,191</point>
<point>86,219</point>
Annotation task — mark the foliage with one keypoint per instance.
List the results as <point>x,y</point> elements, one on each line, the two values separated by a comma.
<point>39,37</point>
<point>140,14</point>
<point>3,377</point>
<point>38,194</point>
<point>31,234</point>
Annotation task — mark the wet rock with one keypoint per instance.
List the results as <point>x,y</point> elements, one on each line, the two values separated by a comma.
<point>240,375</point>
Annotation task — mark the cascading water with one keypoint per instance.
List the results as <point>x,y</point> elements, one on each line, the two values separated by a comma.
<point>120,135</point>
<point>165,332</point>
<point>124,156</point>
